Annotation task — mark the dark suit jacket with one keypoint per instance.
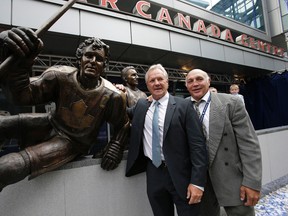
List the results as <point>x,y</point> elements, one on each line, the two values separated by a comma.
<point>184,145</point>
<point>234,150</point>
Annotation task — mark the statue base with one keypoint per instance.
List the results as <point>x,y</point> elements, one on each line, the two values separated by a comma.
<point>78,188</point>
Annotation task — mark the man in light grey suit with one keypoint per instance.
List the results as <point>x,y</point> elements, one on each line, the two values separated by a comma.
<point>235,167</point>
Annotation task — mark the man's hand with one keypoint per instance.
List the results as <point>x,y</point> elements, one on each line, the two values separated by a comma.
<point>249,196</point>
<point>150,98</point>
<point>194,194</point>
<point>120,87</point>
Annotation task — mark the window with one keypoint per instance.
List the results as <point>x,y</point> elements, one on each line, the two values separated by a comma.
<point>249,12</point>
<point>284,14</point>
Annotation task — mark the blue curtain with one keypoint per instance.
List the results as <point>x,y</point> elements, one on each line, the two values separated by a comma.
<point>266,100</point>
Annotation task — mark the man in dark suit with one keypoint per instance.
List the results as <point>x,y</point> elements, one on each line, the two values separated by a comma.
<point>181,176</point>
<point>235,167</point>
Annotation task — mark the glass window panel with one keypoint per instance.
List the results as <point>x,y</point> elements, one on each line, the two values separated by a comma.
<point>284,14</point>
<point>249,12</point>
<point>285,22</point>
<point>284,7</point>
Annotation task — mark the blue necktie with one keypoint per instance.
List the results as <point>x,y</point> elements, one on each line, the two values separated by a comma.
<point>156,148</point>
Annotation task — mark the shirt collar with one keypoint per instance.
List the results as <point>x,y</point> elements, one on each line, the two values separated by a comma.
<point>204,98</point>
<point>162,100</point>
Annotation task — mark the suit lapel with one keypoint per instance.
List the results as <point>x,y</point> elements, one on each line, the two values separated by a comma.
<point>169,113</point>
<point>142,108</point>
<point>216,126</point>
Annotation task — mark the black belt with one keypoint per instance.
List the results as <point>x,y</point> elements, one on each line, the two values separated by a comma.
<point>163,165</point>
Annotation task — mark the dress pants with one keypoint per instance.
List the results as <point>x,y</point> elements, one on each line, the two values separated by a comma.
<point>239,210</point>
<point>162,194</point>
<point>210,205</point>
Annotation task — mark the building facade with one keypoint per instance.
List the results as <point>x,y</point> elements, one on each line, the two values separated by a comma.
<point>230,39</point>
<point>227,38</point>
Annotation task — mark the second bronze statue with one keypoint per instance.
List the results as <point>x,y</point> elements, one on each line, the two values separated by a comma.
<point>130,78</point>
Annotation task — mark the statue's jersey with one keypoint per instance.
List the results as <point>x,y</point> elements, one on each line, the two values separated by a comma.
<point>133,96</point>
<point>79,112</point>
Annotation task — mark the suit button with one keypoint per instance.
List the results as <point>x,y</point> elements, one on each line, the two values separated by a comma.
<point>226,149</point>
<point>225,134</point>
<point>226,163</point>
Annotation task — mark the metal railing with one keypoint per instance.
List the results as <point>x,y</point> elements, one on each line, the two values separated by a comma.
<point>114,68</point>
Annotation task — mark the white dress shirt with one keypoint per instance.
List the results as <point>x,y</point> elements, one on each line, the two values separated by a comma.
<point>147,138</point>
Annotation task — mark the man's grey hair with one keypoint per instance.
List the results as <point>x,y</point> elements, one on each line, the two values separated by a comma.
<point>158,67</point>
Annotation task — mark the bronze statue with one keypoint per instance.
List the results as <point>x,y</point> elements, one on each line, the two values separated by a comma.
<point>2,138</point>
<point>84,101</point>
<point>130,78</point>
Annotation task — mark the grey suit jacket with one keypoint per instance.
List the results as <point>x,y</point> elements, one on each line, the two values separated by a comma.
<point>234,150</point>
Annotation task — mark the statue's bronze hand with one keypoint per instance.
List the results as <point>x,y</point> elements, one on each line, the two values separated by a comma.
<point>23,42</point>
<point>112,156</point>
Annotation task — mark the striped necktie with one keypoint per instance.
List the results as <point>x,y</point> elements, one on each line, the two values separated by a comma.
<point>196,106</point>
